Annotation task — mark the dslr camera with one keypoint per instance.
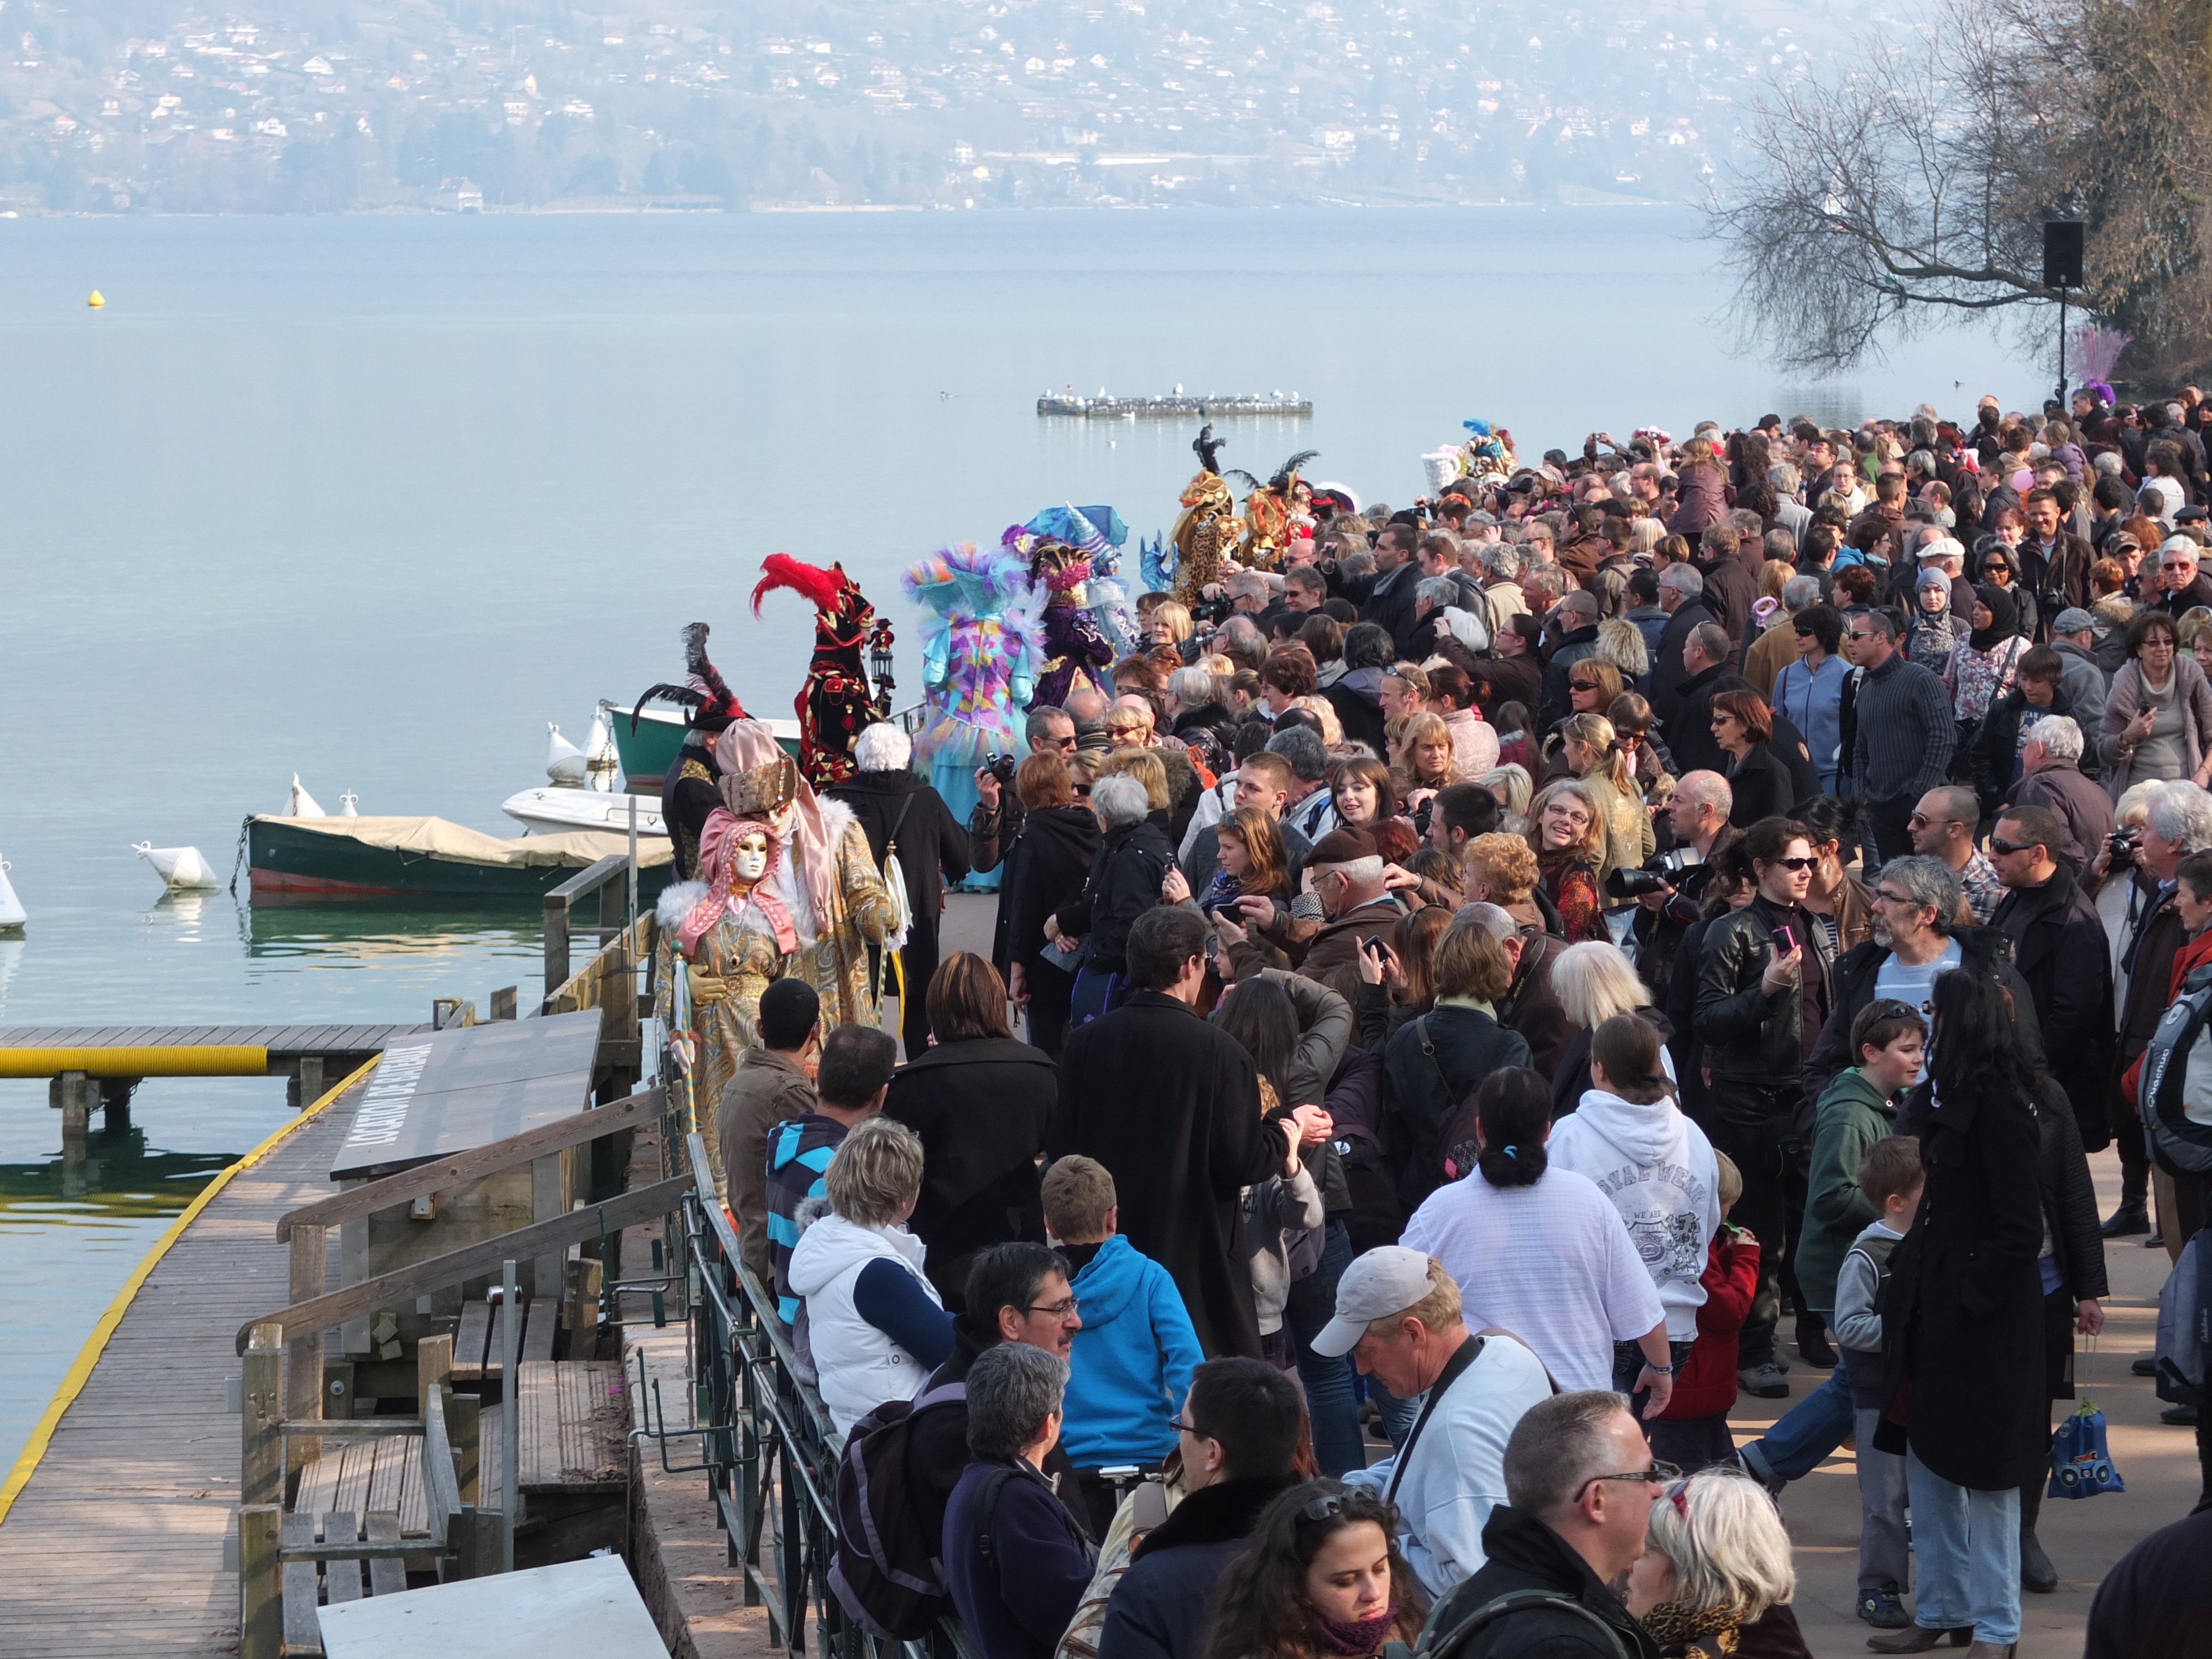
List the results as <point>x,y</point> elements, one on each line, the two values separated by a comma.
<point>1000,766</point>
<point>2122,844</point>
<point>1661,869</point>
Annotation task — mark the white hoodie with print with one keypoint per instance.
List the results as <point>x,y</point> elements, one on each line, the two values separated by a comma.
<point>1658,1170</point>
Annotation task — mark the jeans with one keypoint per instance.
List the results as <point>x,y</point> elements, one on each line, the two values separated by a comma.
<point>1398,1415</point>
<point>1811,1428</point>
<point>1884,1553</point>
<point>1967,1545</point>
<point>1338,1443</point>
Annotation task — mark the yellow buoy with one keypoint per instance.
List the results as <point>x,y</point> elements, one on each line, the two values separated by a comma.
<point>97,299</point>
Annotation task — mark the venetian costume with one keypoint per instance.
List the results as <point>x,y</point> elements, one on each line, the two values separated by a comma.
<point>826,879</point>
<point>979,660</point>
<point>689,793</point>
<point>1485,458</point>
<point>1099,532</point>
<point>1074,648</point>
<point>836,703</point>
<point>723,941</point>
<point>1268,511</point>
<point>1209,530</point>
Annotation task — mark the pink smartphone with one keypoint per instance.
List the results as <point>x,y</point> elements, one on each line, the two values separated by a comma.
<point>1784,940</point>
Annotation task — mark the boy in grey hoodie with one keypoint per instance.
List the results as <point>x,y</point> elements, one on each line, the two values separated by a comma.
<point>1890,1175</point>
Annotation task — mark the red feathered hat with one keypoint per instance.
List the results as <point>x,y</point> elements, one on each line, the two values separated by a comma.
<point>825,587</point>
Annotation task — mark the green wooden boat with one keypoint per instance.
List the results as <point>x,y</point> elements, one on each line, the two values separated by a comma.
<point>649,752</point>
<point>426,857</point>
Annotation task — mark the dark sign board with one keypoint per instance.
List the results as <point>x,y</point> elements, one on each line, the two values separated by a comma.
<point>447,1092</point>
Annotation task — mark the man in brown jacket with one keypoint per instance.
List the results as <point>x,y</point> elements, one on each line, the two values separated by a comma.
<point>1346,871</point>
<point>774,1084</point>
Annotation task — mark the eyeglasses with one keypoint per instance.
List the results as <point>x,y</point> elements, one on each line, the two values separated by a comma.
<point>1657,1475</point>
<point>1796,864</point>
<point>1182,1427</point>
<point>1582,685</point>
<point>1324,1508</point>
<point>1055,1310</point>
<point>1883,896</point>
<point>1997,844</point>
<point>1068,741</point>
<point>1868,633</point>
<point>1921,821</point>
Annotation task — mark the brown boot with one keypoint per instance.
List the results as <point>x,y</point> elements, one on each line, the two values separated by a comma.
<point>1919,1639</point>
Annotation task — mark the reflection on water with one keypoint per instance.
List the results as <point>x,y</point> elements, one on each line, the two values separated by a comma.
<point>121,1180</point>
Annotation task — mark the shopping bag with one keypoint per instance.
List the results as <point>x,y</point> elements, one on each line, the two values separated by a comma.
<point>2081,1467</point>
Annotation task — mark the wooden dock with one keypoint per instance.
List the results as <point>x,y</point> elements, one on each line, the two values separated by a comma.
<point>115,1544</point>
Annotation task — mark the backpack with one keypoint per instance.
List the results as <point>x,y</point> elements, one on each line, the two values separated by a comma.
<point>2184,1324</point>
<point>887,1571</point>
<point>2180,1146</point>
<point>894,874</point>
<point>1436,1643</point>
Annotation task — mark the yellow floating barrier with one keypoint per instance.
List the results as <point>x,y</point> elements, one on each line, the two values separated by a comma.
<point>151,1059</point>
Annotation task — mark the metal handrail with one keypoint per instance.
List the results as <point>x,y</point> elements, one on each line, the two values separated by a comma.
<point>772,1450</point>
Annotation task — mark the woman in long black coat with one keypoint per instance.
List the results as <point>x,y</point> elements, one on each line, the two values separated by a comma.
<point>1963,1321</point>
<point>981,1104</point>
<point>1045,867</point>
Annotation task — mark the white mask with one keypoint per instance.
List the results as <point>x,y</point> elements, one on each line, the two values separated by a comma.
<point>749,859</point>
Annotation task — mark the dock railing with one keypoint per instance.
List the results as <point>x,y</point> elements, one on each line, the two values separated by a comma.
<point>770,1452</point>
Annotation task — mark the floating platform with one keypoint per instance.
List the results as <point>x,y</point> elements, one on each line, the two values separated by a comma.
<point>1175,408</point>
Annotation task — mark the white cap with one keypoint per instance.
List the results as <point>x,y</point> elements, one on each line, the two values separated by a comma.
<point>1943,547</point>
<point>1389,1278</point>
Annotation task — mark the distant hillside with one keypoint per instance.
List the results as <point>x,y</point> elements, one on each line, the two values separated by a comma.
<point>136,106</point>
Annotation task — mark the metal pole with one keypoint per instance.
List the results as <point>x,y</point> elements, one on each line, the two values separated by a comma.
<point>510,1353</point>
<point>2061,343</point>
<point>633,821</point>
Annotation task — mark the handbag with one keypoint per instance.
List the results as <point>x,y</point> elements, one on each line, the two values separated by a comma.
<point>2081,1463</point>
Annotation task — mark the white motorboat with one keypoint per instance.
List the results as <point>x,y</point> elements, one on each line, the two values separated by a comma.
<point>583,809</point>
<point>12,914</point>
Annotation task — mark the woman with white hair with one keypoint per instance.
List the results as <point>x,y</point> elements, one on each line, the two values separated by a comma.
<point>898,809</point>
<point>1594,981</point>
<point>1125,881</point>
<point>1715,1569</point>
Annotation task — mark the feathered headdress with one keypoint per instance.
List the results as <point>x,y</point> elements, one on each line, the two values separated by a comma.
<point>1209,448</point>
<point>712,704</point>
<point>826,588</point>
<point>1287,473</point>
<point>963,580</point>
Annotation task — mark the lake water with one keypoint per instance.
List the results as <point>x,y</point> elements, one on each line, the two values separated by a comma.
<point>372,500</point>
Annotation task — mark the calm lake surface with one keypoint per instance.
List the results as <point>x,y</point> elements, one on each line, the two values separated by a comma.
<point>374,500</point>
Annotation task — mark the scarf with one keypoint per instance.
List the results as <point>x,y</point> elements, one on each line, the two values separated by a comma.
<point>745,745</point>
<point>1672,1624</point>
<point>1354,1636</point>
<point>2004,618</point>
<point>719,838</point>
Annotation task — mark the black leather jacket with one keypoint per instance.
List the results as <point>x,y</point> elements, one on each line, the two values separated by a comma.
<point>1751,1035</point>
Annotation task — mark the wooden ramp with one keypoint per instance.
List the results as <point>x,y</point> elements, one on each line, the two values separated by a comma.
<point>116,1545</point>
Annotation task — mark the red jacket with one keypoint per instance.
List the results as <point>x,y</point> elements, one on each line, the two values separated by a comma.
<point>1706,1386</point>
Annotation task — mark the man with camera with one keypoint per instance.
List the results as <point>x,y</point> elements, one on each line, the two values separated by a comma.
<point>1670,887</point>
<point>996,817</point>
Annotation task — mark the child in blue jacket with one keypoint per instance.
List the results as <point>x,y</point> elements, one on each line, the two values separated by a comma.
<point>1133,1357</point>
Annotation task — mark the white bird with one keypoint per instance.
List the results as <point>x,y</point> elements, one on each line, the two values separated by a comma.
<point>348,805</point>
<point>12,914</point>
<point>302,804</point>
<point>178,867</point>
<point>564,761</point>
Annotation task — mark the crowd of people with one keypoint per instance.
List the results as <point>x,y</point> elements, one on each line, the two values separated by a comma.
<point>1486,966</point>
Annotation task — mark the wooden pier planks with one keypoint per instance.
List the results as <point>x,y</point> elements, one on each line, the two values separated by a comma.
<point>574,1426</point>
<point>116,1545</point>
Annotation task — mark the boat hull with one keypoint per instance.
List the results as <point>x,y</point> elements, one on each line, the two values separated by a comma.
<point>285,861</point>
<point>649,752</point>
<point>583,809</point>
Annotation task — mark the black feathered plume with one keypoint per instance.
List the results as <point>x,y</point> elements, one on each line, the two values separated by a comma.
<point>1246,478</point>
<point>665,693</point>
<point>695,663</point>
<point>1209,448</point>
<point>1281,481</point>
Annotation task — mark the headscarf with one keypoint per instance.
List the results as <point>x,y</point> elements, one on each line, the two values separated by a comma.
<point>749,744</point>
<point>1936,582</point>
<point>2004,618</point>
<point>719,840</point>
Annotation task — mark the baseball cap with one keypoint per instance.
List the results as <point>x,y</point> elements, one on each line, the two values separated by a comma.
<point>1389,1278</point>
<point>2072,620</point>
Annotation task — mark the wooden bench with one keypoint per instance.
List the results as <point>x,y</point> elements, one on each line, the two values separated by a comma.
<point>387,1494</point>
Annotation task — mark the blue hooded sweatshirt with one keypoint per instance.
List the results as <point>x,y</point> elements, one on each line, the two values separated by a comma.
<point>1133,1357</point>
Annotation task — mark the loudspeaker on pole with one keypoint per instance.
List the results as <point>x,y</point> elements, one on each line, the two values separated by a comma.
<point>2061,252</point>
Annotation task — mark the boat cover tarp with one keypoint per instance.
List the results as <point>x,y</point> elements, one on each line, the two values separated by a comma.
<point>426,837</point>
